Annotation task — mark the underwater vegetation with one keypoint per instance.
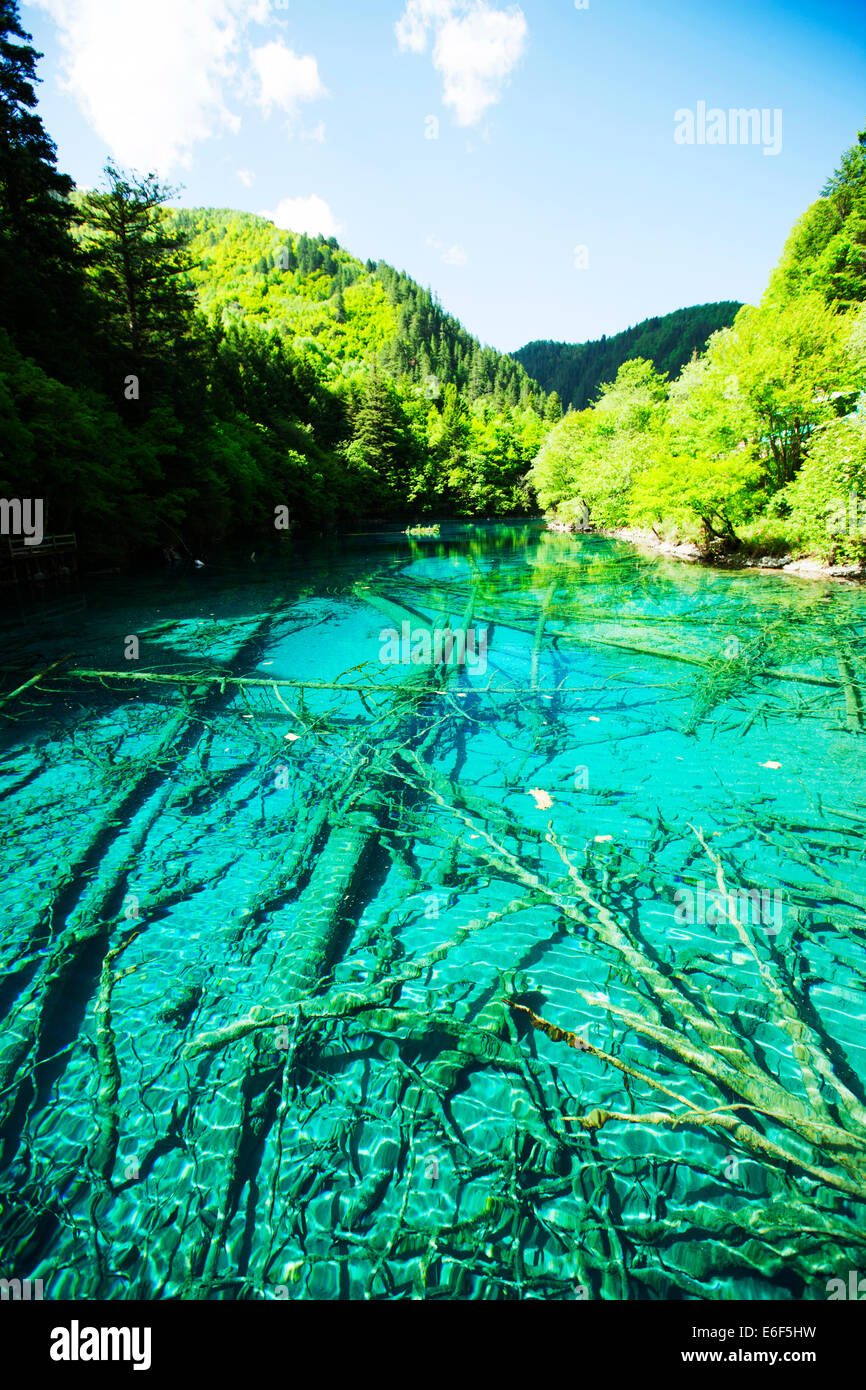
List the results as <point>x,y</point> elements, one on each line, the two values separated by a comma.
<point>325,977</point>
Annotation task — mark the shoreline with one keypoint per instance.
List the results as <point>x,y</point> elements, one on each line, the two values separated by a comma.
<point>806,567</point>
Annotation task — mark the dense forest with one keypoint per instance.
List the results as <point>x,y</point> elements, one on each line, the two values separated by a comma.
<point>183,378</point>
<point>575,371</point>
<point>179,379</point>
<point>346,313</point>
<point>760,442</point>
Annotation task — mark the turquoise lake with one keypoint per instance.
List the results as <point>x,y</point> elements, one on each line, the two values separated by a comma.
<point>332,976</point>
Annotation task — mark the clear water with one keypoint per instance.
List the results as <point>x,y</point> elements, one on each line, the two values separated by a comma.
<point>356,880</point>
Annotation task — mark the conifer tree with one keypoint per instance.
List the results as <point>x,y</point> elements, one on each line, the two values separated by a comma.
<point>138,264</point>
<point>41,283</point>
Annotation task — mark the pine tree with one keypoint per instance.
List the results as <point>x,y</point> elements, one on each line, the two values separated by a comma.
<point>138,264</point>
<point>553,409</point>
<point>383,442</point>
<point>478,383</point>
<point>304,249</point>
<point>41,282</point>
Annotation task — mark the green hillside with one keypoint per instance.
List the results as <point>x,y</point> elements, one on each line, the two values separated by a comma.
<point>575,371</point>
<point>174,380</point>
<point>346,312</point>
<point>760,442</point>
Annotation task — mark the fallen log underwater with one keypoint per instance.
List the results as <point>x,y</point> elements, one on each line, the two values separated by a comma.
<point>658,652</point>
<point>345,847</point>
<point>262,1077</point>
<point>717,1053</point>
<point>93,893</point>
<point>34,680</point>
<point>340,864</point>
<point>483,1041</point>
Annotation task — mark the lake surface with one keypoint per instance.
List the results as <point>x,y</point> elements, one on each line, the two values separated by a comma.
<point>276,956</point>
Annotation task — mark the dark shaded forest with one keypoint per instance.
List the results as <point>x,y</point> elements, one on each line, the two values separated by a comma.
<point>576,371</point>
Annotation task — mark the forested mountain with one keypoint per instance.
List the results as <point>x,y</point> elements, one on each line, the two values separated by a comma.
<point>575,371</point>
<point>179,379</point>
<point>308,288</point>
<point>762,439</point>
<point>184,378</point>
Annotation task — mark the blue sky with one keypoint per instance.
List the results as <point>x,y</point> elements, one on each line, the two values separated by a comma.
<point>477,144</point>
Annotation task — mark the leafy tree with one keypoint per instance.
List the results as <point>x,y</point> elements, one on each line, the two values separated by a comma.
<point>828,497</point>
<point>719,493</point>
<point>826,251</point>
<point>562,471</point>
<point>769,381</point>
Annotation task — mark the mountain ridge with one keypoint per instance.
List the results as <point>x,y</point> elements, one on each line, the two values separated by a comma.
<point>347,311</point>
<point>575,371</point>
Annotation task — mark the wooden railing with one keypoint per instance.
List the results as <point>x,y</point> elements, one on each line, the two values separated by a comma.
<point>50,545</point>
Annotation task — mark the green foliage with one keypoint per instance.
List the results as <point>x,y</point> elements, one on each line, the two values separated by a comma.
<point>355,313</point>
<point>591,459</point>
<point>230,368</point>
<point>827,499</point>
<point>383,451</point>
<point>780,366</point>
<point>756,433</point>
<point>137,264</point>
<point>42,299</point>
<point>277,370</point>
<point>576,370</point>
<point>430,343</point>
<point>826,251</point>
<point>67,446</point>
<point>719,493</point>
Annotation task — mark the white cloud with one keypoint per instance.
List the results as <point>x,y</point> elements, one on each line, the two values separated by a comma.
<point>284,79</point>
<point>476,49</point>
<point>153,81</point>
<point>317,133</point>
<point>247,177</point>
<point>411,28</point>
<point>449,255</point>
<point>311,215</point>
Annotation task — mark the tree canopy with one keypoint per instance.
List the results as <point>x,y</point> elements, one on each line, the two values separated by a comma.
<point>759,439</point>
